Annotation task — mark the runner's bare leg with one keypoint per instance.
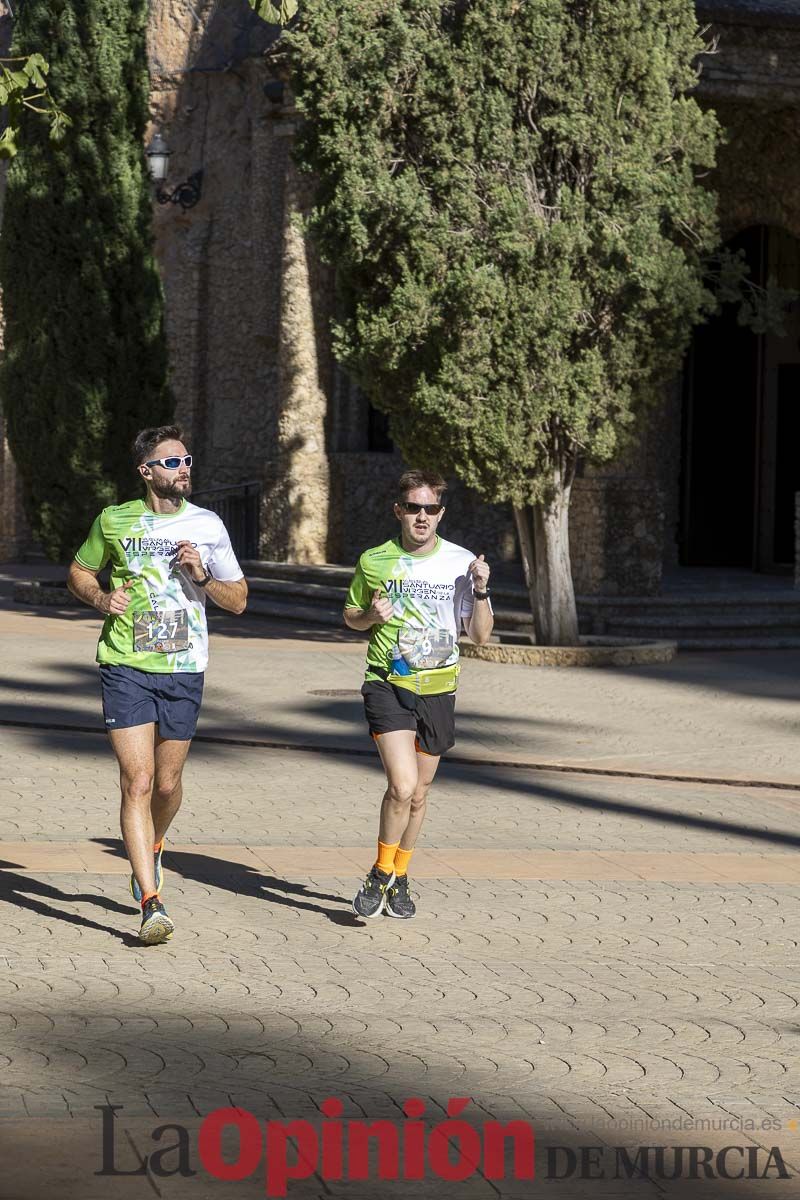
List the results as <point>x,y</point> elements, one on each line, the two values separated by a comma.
<point>409,776</point>
<point>135,753</point>
<point>427,765</point>
<point>167,787</point>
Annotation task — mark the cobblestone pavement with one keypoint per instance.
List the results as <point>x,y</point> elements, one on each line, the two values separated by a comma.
<point>611,959</point>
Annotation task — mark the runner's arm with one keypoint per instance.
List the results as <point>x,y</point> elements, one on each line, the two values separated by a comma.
<point>82,582</point>
<point>379,611</point>
<point>228,594</point>
<point>480,623</point>
<point>358,618</point>
<point>365,605</point>
<point>478,620</point>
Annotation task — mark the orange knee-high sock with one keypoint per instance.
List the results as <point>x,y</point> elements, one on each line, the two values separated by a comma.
<point>385,859</point>
<point>401,860</point>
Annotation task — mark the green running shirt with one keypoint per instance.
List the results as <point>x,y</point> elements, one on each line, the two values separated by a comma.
<point>141,545</point>
<point>431,596</point>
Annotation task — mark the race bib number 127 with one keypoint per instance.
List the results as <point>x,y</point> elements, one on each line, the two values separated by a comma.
<point>160,633</point>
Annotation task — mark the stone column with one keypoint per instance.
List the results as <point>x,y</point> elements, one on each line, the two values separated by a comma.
<point>295,515</point>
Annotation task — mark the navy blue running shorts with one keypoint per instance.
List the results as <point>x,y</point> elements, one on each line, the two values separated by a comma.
<point>169,700</point>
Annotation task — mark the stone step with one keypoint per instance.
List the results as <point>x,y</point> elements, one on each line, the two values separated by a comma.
<point>780,597</point>
<point>328,573</point>
<point>751,621</point>
<point>264,574</point>
<point>696,620</point>
<point>291,610</point>
<point>709,641</point>
<point>307,591</point>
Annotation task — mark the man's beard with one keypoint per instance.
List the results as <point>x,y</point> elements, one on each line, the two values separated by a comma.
<point>177,490</point>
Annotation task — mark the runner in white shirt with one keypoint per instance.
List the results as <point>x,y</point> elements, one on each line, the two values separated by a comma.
<point>414,594</point>
<point>166,555</point>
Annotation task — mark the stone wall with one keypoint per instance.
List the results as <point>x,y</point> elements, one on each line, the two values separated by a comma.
<point>757,55</point>
<point>363,491</point>
<point>617,536</point>
<point>616,524</point>
<point>248,307</point>
<point>221,261</point>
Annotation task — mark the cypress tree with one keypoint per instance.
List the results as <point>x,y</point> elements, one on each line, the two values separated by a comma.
<point>85,354</point>
<point>510,194</point>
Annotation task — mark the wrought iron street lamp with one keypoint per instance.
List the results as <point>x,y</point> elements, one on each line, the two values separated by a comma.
<point>187,193</point>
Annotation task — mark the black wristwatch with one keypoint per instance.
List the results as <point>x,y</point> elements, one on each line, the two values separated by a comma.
<point>481,595</point>
<point>203,582</point>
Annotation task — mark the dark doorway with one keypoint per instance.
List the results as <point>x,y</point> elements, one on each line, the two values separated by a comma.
<point>378,436</point>
<point>787,460</point>
<point>741,422</point>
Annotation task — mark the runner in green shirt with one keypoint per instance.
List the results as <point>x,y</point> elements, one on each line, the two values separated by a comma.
<point>414,594</point>
<point>166,555</point>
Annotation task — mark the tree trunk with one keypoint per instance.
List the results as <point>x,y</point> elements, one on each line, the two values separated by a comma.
<point>544,542</point>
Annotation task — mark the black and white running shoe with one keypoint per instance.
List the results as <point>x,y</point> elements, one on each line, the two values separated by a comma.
<point>371,896</point>
<point>398,900</point>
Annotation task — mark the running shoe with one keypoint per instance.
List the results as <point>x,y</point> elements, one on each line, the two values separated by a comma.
<point>156,925</point>
<point>371,896</point>
<point>136,891</point>
<point>398,900</point>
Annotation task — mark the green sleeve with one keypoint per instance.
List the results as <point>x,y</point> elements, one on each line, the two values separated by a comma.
<point>360,594</point>
<point>95,551</point>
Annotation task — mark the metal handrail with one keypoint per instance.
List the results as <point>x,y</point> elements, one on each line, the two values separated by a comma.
<point>239,507</point>
<point>228,487</point>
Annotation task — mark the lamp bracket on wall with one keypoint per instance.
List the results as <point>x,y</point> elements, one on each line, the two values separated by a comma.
<point>186,194</point>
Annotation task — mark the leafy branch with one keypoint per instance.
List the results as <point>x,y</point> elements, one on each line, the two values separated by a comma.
<point>276,14</point>
<point>761,307</point>
<point>23,84</point>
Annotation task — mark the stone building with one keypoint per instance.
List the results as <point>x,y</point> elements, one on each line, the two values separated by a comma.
<point>710,483</point>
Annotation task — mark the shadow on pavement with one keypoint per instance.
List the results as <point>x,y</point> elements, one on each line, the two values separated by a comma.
<point>224,624</point>
<point>23,891</point>
<point>757,674</point>
<point>512,780</point>
<point>243,880</point>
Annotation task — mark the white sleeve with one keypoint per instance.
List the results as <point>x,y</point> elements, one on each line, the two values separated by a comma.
<point>223,563</point>
<point>467,604</point>
<point>465,600</point>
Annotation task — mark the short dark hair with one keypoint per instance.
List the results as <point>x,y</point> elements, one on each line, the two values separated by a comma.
<point>146,441</point>
<point>410,480</point>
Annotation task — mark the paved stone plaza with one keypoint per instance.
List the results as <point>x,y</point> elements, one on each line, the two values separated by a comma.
<point>609,956</point>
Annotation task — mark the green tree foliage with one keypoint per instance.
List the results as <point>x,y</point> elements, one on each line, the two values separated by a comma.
<point>509,192</point>
<point>277,14</point>
<point>84,364</point>
<point>23,86</point>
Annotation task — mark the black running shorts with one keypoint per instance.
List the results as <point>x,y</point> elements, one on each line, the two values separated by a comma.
<point>432,718</point>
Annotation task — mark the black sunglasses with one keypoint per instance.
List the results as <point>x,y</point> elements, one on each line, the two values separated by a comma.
<point>172,463</point>
<point>412,509</point>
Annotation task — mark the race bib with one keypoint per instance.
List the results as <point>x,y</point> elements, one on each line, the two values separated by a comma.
<point>160,633</point>
<point>424,649</point>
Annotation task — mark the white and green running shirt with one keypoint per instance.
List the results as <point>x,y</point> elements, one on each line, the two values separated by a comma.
<point>164,627</point>
<point>431,596</point>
